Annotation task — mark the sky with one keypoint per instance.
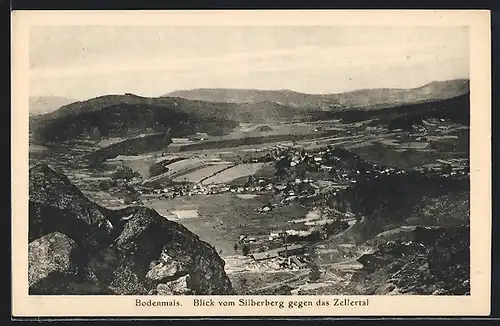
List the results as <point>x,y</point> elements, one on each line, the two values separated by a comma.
<point>80,62</point>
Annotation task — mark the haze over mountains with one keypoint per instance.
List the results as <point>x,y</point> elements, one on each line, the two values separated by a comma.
<point>363,98</point>
<point>46,104</point>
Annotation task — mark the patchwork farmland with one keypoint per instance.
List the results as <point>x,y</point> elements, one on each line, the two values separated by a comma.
<point>203,173</point>
<point>233,173</point>
<point>175,170</point>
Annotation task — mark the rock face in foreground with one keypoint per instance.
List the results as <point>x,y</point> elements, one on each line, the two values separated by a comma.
<point>151,251</point>
<point>55,204</point>
<point>78,247</point>
<point>435,261</point>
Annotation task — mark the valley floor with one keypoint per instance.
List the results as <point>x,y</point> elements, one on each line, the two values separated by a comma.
<point>236,213</point>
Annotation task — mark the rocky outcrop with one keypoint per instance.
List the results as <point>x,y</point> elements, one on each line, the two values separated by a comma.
<point>436,261</point>
<point>131,251</point>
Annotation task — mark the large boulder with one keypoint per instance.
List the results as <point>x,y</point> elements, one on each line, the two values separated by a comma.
<point>130,251</point>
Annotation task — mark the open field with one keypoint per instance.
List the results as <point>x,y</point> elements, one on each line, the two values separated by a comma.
<point>223,218</point>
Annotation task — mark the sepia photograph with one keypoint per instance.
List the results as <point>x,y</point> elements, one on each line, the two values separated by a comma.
<point>249,161</point>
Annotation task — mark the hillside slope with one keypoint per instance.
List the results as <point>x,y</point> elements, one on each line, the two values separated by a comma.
<point>418,226</point>
<point>117,117</point>
<point>412,237</point>
<point>430,261</point>
<point>456,109</point>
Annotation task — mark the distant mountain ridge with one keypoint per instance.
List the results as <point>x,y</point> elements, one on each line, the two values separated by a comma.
<point>45,104</point>
<point>128,115</point>
<point>363,98</point>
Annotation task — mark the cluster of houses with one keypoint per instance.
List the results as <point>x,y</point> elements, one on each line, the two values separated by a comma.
<point>285,256</point>
<point>292,256</point>
<point>199,189</point>
<point>319,160</point>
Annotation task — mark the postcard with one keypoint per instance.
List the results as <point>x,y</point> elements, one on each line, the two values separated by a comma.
<point>251,163</point>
